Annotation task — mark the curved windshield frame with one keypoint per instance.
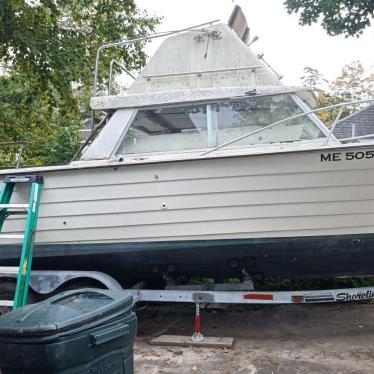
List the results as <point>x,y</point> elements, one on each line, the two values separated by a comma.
<point>185,128</point>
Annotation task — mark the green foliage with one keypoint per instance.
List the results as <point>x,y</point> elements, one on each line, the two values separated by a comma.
<point>28,114</point>
<point>48,50</point>
<point>347,17</point>
<point>269,284</point>
<point>56,41</point>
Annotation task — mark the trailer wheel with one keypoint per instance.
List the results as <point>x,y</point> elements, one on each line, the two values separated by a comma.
<point>7,290</point>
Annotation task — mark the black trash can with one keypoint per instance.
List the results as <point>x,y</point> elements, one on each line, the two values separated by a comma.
<point>80,331</point>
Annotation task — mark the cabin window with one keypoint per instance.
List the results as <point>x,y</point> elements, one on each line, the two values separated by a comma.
<point>184,128</point>
<point>236,118</point>
<point>167,129</point>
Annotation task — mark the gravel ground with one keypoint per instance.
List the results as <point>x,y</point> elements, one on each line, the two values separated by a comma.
<point>326,338</point>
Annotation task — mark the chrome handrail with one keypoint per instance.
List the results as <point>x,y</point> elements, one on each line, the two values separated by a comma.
<point>357,137</point>
<point>298,116</point>
<point>112,62</point>
<point>139,39</point>
<point>336,120</point>
<point>22,144</point>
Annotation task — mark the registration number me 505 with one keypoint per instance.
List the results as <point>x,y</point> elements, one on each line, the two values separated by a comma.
<point>348,156</point>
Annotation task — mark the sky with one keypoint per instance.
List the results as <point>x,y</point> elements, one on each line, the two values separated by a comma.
<point>287,46</point>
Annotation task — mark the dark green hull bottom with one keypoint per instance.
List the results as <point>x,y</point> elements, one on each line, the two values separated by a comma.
<point>297,258</point>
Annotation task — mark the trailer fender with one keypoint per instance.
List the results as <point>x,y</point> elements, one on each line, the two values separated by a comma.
<point>47,281</point>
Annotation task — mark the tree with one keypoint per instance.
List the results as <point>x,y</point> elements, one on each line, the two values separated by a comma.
<point>353,84</point>
<point>47,50</point>
<point>312,78</point>
<point>347,17</point>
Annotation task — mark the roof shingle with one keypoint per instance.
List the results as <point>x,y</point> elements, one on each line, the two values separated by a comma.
<point>363,121</point>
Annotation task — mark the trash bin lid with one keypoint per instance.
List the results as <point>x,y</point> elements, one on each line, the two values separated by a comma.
<point>65,312</point>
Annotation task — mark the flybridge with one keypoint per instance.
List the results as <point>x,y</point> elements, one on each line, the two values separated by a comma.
<point>205,56</point>
<point>213,48</point>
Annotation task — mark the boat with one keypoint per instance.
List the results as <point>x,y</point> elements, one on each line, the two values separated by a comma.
<point>207,166</point>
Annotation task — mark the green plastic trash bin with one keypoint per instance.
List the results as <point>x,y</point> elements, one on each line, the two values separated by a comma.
<point>80,331</point>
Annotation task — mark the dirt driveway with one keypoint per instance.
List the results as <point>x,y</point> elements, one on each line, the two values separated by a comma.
<point>285,339</point>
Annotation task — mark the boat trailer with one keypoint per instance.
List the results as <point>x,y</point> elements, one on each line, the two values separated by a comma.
<point>255,297</point>
<point>45,282</point>
<point>239,297</point>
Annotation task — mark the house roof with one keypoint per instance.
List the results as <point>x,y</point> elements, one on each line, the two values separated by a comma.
<point>363,122</point>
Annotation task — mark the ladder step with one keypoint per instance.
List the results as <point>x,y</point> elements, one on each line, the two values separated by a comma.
<point>15,209</point>
<point>9,270</point>
<point>11,236</point>
<point>14,206</point>
<point>6,303</point>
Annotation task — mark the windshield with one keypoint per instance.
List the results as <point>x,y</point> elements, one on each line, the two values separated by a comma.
<point>202,126</point>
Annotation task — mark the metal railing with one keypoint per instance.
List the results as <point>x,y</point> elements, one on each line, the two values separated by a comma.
<point>112,62</point>
<point>21,145</point>
<point>326,140</point>
<point>139,39</point>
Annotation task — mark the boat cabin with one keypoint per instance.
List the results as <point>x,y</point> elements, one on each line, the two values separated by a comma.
<point>203,89</point>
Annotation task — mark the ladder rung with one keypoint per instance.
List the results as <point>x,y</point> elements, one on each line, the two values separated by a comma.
<point>11,236</point>
<point>14,206</point>
<point>6,303</point>
<point>9,269</point>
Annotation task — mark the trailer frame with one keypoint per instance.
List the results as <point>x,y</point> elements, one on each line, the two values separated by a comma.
<point>255,297</point>
<point>45,282</point>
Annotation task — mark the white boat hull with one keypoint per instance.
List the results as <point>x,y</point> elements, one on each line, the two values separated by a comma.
<point>254,198</point>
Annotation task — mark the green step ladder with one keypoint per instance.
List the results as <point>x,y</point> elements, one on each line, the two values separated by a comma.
<point>31,210</point>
